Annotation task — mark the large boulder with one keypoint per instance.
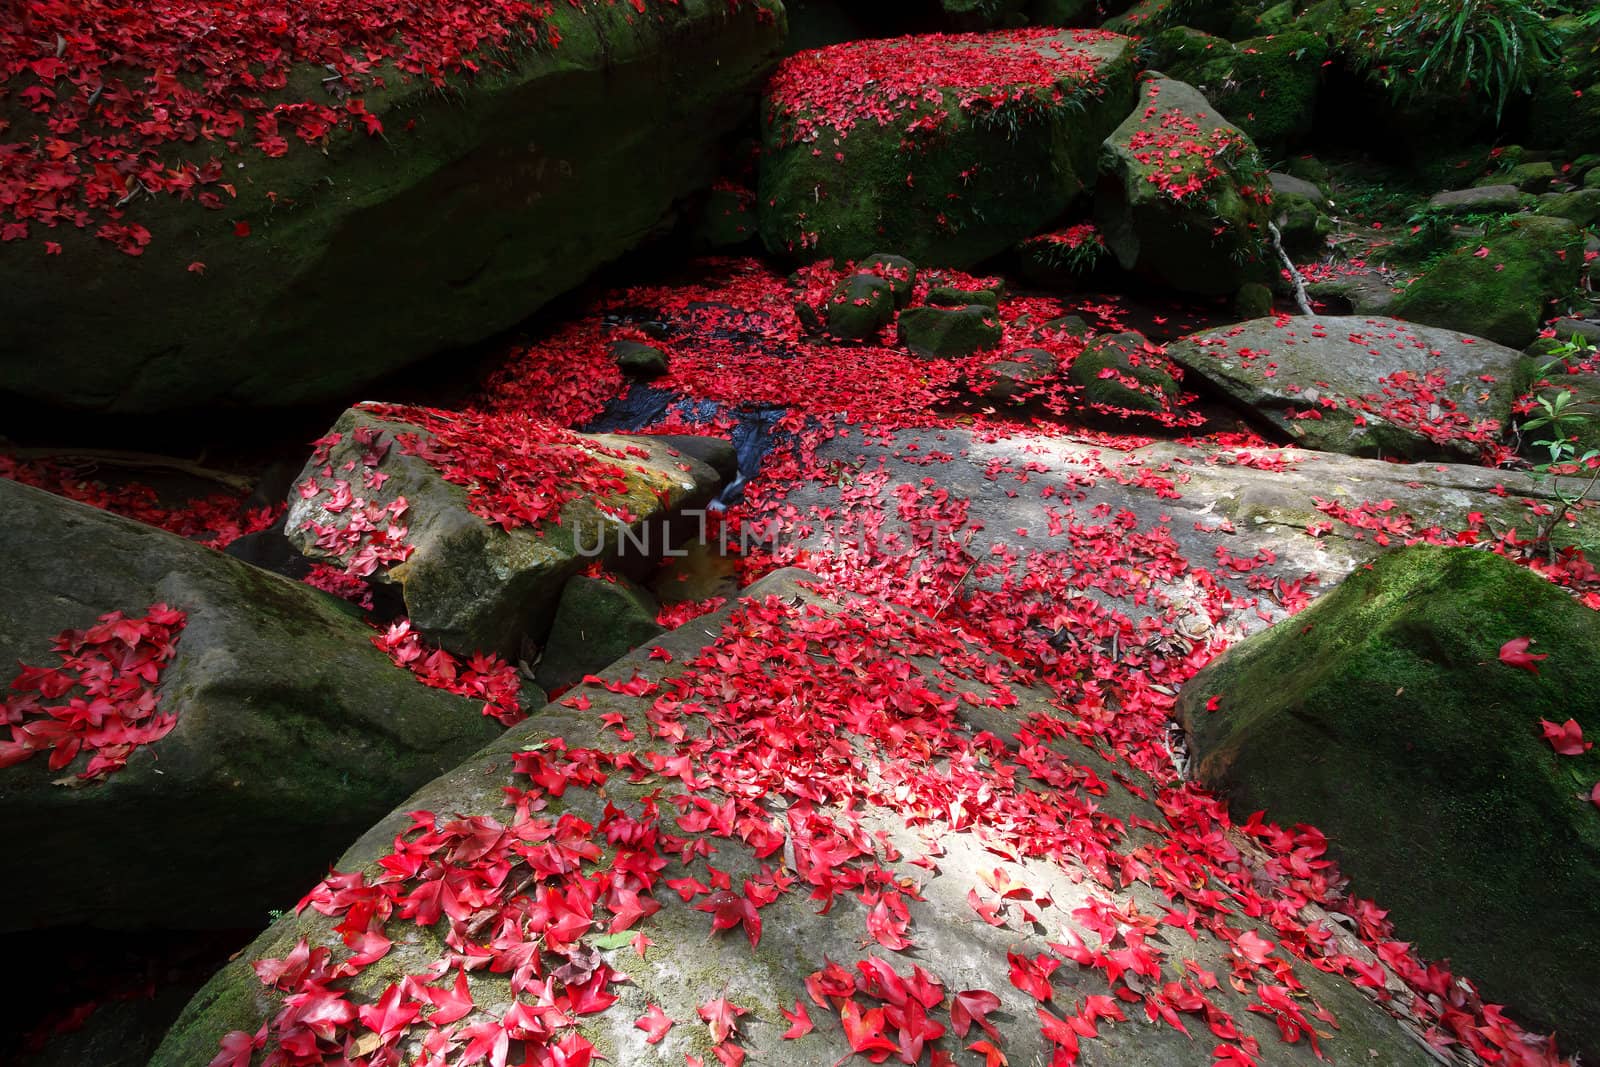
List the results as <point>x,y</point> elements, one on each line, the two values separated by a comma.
<point>328,264</point>
<point>948,149</point>
<point>803,827</point>
<point>1363,386</point>
<point>1183,198</point>
<point>1394,715</point>
<point>1499,287</point>
<point>480,519</point>
<point>289,732</point>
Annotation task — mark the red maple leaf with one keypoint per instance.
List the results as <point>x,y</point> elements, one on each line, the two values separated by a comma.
<point>1514,653</point>
<point>722,1016</point>
<point>973,1006</point>
<point>1566,739</point>
<point>654,1023</point>
<point>800,1020</point>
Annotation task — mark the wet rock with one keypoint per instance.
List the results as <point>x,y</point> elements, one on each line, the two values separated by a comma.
<point>1483,199</point>
<point>638,359</point>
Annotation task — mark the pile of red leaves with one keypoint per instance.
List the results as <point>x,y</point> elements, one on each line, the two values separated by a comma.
<point>108,677</point>
<point>911,83</point>
<point>215,521</point>
<point>119,101</point>
<point>1184,161</point>
<point>482,676</point>
<point>518,469</point>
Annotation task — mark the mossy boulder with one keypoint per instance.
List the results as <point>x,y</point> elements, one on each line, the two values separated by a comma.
<point>598,621</point>
<point>948,149</point>
<point>1384,716</point>
<point>860,306</point>
<point>1113,373</point>
<point>1581,207</point>
<point>1183,198</point>
<point>649,820</point>
<point>1300,211</point>
<point>1364,386</point>
<point>1501,294</point>
<point>1267,86</point>
<point>473,576</point>
<point>483,201</point>
<point>293,732</point>
<point>948,332</point>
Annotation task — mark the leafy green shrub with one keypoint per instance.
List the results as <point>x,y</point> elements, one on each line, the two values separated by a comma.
<point>1493,48</point>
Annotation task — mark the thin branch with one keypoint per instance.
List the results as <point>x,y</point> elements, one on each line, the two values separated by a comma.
<point>138,461</point>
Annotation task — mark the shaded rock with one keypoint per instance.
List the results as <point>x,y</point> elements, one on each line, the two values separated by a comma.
<point>943,333</point>
<point>291,731</point>
<point>486,200</point>
<point>763,967</point>
<point>639,359</point>
<point>1530,177</point>
<point>950,297</point>
<point>470,583</point>
<point>900,271</point>
<point>1110,373</point>
<point>1502,294</point>
<point>1290,185</point>
<point>948,149</point>
<point>1199,228</point>
<point>1252,301</point>
<point>597,622</point>
<point>1010,379</point>
<point>1385,707</point>
<point>861,305</point>
<point>1581,207</point>
<point>1363,386</point>
<point>1482,199</point>
<point>1368,292</point>
<point>1267,86</point>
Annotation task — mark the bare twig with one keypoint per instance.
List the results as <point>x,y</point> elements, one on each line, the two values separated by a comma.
<point>1294,272</point>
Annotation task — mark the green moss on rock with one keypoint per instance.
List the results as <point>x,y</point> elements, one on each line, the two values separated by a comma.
<point>1502,295</point>
<point>1384,716</point>
<point>977,181</point>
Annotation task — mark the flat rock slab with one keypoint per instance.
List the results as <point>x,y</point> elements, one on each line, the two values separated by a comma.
<point>933,867</point>
<point>1365,386</point>
<point>293,731</point>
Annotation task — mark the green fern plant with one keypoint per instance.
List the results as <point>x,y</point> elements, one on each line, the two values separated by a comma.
<point>1492,47</point>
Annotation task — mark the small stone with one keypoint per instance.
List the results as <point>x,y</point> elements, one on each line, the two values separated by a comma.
<point>638,359</point>
<point>1024,368</point>
<point>951,297</point>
